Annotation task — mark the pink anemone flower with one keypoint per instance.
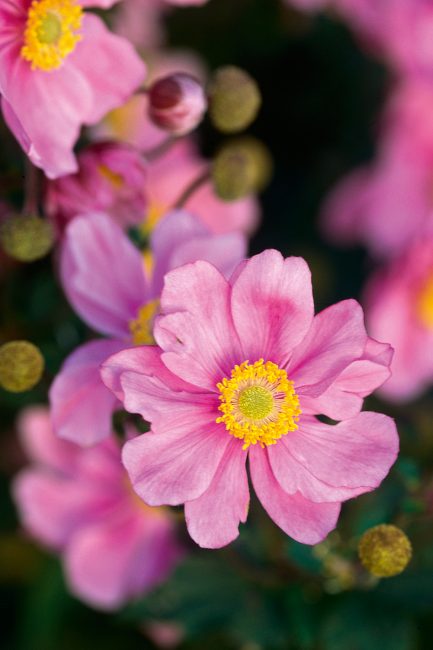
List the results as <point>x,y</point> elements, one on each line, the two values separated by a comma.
<point>399,307</point>
<point>60,68</point>
<point>241,370</point>
<point>106,281</point>
<point>79,502</point>
<point>112,178</point>
<point>388,204</point>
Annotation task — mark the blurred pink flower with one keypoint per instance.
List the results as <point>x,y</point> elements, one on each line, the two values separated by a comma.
<point>245,362</point>
<point>389,204</point>
<point>105,280</point>
<point>177,103</point>
<point>111,178</point>
<point>60,68</point>
<point>399,307</point>
<point>79,502</point>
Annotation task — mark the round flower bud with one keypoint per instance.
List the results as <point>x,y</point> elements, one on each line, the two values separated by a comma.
<point>241,167</point>
<point>234,100</point>
<point>21,366</point>
<point>26,237</point>
<point>384,550</point>
<point>177,103</point>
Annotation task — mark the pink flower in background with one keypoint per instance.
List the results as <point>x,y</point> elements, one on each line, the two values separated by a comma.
<point>105,280</point>
<point>79,502</point>
<point>240,364</point>
<point>60,68</point>
<point>172,173</point>
<point>111,178</point>
<point>399,307</point>
<point>389,204</point>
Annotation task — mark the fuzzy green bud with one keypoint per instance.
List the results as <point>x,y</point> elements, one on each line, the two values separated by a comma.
<point>26,238</point>
<point>234,100</point>
<point>21,366</point>
<point>384,550</point>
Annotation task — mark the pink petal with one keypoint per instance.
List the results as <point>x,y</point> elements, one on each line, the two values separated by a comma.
<point>52,507</point>
<point>305,521</point>
<point>272,306</point>
<point>178,464</point>
<point>103,274</point>
<point>336,338</point>
<point>180,238</point>
<point>108,563</point>
<point>110,66</point>
<point>41,445</point>
<point>81,405</point>
<point>143,383</point>
<point>355,454</point>
<point>197,335</point>
<point>213,519</point>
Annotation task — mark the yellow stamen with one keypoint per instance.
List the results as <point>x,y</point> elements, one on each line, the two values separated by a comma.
<point>141,328</point>
<point>51,33</point>
<point>424,304</point>
<point>115,179</point>
<point>259,403</point>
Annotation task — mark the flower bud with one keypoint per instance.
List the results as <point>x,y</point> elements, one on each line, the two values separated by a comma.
<point>26,237</point>
<point>21,366</point>
<point>384,550</point>
<point>234,100</point>
<point>241,167</point>
<point>177,103</point>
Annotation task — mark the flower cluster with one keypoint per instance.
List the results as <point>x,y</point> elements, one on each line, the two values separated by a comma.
<point>201,367</point>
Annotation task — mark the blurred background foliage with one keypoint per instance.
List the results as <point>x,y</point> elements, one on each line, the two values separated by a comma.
<point>322,101</point>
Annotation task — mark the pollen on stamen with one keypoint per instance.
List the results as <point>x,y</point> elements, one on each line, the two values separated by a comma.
<point>141,327</point>
<point>51,33</point>
<point>259,403</point>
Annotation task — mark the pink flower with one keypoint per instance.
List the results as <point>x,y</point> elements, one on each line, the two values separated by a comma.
<point>399,307</point>
<point>105,279</point>
<point>388,204</point>
<point>111,179</point>
<point>242,362</point>
<point>59,69</point>
<point>79,502</point>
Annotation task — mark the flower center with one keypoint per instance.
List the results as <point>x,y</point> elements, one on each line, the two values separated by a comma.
<point>51,33</point>
<point>142,326</point>
<point>259,403</point>
<point>114,179</point>
<point>424,305</point>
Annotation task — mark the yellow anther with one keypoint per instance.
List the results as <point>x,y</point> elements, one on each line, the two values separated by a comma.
<point>259,403</point>
<point>51,33</point>
<point>141,327</point>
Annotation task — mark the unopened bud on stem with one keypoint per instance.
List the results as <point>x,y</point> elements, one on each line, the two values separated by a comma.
<point>177,103</point>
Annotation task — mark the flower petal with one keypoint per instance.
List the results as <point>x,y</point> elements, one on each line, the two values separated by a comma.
<point>213,519</point>
<point>81,405</point>
<point>336,338</point>
<point>305,521</point>
<point>348,458</point>
<point>272,306</point>
<point>196,330</point>
<point>108,563</point>
<point>102,274</point>
<point>142,382</point>
<point>179,463</point>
